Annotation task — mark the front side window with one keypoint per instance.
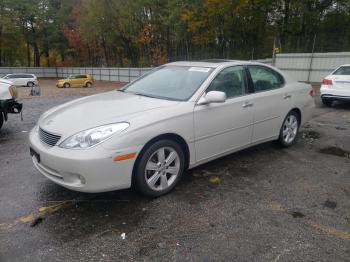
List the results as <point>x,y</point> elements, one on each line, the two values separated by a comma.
<point>231,81</point>
<point>12,76</point>
<point>344,70</point>
<point>265,78</point>
<point>170,82</point>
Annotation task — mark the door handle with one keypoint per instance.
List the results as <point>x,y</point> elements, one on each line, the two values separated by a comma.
<point>247,104</point>
<point>287,96</point>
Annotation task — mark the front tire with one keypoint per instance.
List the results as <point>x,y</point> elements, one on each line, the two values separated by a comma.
<point>290,129</point>
<point>30,84</point>
<point>159,168</point>
<point>88,85</point>
<point>66,85</point>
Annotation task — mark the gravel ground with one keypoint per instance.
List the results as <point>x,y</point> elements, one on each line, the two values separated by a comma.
<point>261,204</point>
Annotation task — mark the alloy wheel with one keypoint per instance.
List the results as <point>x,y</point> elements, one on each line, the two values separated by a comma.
<point>162,168</point>
<point>290,129</point>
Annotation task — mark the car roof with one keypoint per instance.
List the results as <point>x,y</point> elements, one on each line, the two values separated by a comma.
<point>20,74</point>
<point>213,63</point>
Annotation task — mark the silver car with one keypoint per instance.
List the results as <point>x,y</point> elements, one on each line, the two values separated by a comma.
<point>178,116</point>
<point>22,79</point>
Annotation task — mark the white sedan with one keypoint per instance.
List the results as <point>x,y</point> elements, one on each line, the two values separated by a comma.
<point>336,86</point>
<point>178,116</point>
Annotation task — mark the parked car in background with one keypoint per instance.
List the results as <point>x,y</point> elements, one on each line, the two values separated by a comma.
<point>20,79</point>
<point>8,103</point>
<point>178,116</point>
<point>76,81</point>
<point>336,86</point>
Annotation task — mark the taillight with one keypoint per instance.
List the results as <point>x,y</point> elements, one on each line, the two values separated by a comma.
<point>312,92</point>
<point>327,82</point>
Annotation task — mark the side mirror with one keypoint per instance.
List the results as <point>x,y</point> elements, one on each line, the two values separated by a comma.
<point>212,97</point>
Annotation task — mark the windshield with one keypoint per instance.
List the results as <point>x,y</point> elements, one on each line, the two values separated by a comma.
<point>344,70</point>
<point>170,82</point>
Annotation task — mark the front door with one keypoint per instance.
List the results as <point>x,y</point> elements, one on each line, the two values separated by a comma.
<point>224,127</point>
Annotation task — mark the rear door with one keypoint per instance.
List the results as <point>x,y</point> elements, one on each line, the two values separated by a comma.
<point>81,80</point>
<point>224,127</point>
<point>271,100</point>
<point>23,80</point>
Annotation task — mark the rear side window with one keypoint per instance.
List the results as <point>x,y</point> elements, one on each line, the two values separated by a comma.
<point>13,76</point>
<point>26,76</point>
<point>231,80</point>
<point>265,78</point>
<point>81,76</point>
<point>343,70</point>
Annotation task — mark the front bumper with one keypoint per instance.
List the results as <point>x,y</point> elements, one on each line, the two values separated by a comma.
<point>88,170</point>
<point>10,106</point>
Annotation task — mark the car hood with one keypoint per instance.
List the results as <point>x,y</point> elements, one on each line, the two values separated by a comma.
<point>97,110</point>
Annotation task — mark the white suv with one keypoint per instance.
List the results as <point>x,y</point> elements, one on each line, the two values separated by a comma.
<point>336,86</point>
<point>22,79</point>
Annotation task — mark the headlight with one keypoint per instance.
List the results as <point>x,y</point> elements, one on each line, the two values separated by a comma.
<point>91,137</point>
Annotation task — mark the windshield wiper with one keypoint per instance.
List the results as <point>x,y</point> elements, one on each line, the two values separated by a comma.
<point>140,94</point>
<point>153,96</point>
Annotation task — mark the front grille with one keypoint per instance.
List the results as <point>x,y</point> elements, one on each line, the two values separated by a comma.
<point>48,138</point>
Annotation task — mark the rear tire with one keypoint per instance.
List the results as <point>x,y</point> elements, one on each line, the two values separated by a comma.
<point>290,129</point>
<point>159,168</point>
<point>1,119</point>
<point>66,85</point>
<point>327,102</point>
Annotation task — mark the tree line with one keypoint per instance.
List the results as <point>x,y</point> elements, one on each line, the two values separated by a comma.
<point>151,32</point>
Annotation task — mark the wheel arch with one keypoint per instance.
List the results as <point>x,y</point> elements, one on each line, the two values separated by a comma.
<point>298,111</point>
<point>169,136</point>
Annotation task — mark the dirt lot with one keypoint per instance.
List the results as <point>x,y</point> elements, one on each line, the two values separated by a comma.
<point>261,204</point>
<point>49,89</point>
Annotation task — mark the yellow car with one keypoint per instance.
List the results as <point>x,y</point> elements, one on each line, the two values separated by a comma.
<point>76,81</point>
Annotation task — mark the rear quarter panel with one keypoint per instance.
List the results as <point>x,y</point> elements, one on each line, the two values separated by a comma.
<point>302,100</point>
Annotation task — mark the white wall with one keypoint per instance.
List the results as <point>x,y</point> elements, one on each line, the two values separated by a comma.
<point>311,68</point>
<point>302,66</point>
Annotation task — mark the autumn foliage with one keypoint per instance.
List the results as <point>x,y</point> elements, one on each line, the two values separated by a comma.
<point>152,32</point>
